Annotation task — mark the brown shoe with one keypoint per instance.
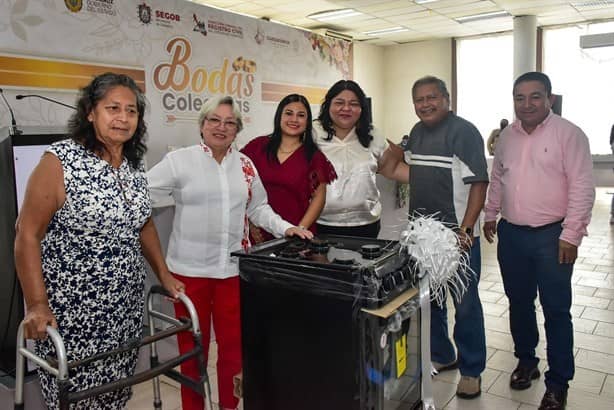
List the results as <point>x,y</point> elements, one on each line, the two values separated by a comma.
<point>522,376</point>
<point>469,387</point>
<point>553,400</point>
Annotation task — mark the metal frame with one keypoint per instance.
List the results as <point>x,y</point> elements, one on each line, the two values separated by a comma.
<point>60,367</point>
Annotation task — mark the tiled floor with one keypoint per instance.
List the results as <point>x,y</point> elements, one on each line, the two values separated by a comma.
<point>593,316</point>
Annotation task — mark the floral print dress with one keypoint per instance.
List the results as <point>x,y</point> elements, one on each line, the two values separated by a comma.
<point>94,271</point>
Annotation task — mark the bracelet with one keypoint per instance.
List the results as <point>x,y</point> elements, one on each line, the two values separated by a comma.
<point>302,227</point>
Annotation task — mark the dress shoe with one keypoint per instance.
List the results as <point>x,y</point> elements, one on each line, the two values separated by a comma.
<point>553,400</point>
<point>442,367</point>
<point>469,387</point>
<point>522,376</point>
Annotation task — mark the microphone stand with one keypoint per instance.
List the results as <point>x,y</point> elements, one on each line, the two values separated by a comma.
<point>13,130</point>
<point>22,96</point>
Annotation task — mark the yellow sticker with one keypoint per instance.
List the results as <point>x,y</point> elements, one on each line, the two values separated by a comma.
<point>401,354</point>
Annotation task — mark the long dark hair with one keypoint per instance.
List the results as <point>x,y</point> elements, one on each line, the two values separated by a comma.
<point>82,130</point>
<point>363,126</point>
<point>275,138</point>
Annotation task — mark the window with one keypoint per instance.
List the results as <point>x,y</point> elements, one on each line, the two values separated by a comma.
<point>584,78</point>
<point>485,76</point>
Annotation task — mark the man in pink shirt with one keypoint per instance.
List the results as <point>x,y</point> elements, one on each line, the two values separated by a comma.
<point>542,185</point>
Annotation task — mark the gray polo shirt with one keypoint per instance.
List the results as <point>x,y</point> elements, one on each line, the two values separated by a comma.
<point>445,160</point>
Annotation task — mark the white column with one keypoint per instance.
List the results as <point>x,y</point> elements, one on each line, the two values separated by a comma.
<point>525,44</point>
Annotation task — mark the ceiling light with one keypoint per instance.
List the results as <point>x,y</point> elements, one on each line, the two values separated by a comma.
<point>600,3</point>
<point>424,1</point>
<point>384,31</point>
<point>334,14</point>
<point>483,16</point>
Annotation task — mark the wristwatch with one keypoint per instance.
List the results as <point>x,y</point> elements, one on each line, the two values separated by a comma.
<point>466,229</point>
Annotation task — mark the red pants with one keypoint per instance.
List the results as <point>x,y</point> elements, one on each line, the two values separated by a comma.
<point>216,299</point>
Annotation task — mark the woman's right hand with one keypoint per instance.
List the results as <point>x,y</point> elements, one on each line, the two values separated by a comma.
<point>38,317</point>
<point>299,231</point>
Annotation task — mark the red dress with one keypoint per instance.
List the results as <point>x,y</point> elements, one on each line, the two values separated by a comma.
<point>290,185</point>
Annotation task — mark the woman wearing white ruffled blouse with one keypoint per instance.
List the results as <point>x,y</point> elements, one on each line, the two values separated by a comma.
<point>344,133</point>
<point>215,188</point>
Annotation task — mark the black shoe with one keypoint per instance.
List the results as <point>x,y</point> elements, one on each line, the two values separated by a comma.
<point>522,376</point>
<point>553,400</point>
<point>442,367</point>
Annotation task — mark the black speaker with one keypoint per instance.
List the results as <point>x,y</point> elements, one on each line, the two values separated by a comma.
<point>557,104</point>
<point>369,110</point>
<point>19,154</point>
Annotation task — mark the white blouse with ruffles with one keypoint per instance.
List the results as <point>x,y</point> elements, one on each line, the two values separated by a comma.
<point>213,202</point>
<point>353,198</point>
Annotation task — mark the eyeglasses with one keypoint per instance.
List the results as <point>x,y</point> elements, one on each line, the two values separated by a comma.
<point>216,122</point>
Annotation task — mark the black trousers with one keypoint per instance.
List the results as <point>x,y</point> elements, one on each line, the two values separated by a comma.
<point>365,231</point>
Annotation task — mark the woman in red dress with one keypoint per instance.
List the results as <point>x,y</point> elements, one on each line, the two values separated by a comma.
<point>292,168</point>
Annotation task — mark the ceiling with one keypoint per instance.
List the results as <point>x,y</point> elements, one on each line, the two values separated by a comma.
<point>427,21</point>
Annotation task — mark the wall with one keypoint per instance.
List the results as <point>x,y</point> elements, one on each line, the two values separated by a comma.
<point>369,73</point>
<point>404,64</point>
<point>396,68</point>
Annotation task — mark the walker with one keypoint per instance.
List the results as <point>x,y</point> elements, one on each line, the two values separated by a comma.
<point>60,368</point>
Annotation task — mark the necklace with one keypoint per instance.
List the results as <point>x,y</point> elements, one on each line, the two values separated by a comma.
<point>289,152</point>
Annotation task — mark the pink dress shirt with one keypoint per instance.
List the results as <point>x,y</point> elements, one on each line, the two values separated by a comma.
<point>543,177</point>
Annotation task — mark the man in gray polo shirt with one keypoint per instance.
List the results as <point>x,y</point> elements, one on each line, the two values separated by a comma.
<point>448,180</point>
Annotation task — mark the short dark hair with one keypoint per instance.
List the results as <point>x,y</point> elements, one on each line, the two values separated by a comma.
<point>363,126</point>
<point>535,76</point>
<point>430,79</point>
<point>82,130</point>
<point>275,137</point>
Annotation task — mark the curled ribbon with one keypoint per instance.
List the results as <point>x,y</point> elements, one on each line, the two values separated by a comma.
<point>442,267</point>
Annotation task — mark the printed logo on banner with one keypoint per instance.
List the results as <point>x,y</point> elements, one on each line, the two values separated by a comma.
<point>225,29</point>
<point>74,5</point>
<point>185,89</point>
<point>144,13</point>
<point>101,7</point>
<point>163,18</point>
<point>261,37</point>
<point>277,41</point>
<point>166,19</point>
<point>199,26</point>
<point>241,64</point>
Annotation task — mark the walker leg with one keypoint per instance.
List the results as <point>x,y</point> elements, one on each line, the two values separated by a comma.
<point>202,369</point>
<point>63,394</point>
<point>19,370</point>
<point>157,403</point>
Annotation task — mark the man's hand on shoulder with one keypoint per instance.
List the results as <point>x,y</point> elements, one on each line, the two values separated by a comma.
<point>567,252</point>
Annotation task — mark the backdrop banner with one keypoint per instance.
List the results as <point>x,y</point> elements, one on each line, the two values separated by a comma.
<point>179,52</point>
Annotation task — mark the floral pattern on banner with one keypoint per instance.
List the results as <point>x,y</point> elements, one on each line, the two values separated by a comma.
<point>249,174</point>
<point>335,51</point>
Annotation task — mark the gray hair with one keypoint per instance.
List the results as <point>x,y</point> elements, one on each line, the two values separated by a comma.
<point>430,79</point>
<point>212,103</point>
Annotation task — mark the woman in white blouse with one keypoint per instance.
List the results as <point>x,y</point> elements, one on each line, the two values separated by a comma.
<point>344,133</point>
<point>216,189</point>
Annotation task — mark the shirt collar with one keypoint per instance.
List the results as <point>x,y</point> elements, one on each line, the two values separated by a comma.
<point>208,151</point>
<point>349,137</point>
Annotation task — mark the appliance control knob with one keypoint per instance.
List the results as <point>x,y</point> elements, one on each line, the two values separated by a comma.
<point>371,251</point>
<point>389,283</point>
